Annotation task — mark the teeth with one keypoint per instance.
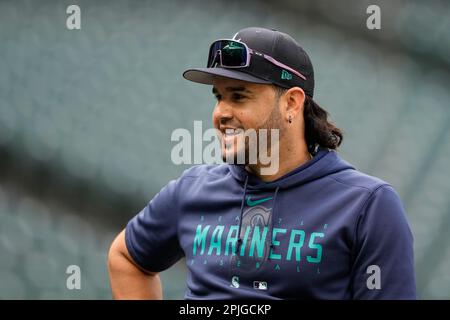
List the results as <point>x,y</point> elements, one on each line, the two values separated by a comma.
<point>232,132</point>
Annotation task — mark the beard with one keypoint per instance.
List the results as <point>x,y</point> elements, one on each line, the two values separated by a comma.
<point>243,150</point>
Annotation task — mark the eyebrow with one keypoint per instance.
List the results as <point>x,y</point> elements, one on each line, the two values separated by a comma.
<point>232,89</point>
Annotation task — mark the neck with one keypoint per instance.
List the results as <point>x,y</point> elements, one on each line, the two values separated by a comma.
<point>291,157</point>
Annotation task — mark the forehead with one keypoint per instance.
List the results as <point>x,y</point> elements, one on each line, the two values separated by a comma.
<point>227,84</point>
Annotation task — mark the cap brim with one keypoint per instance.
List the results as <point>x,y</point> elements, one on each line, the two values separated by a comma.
<point>207,75</point>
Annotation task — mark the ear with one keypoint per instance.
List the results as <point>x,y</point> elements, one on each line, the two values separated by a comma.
<point>294,99</point>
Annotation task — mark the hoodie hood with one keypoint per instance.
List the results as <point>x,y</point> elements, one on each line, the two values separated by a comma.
<point>324,163</point>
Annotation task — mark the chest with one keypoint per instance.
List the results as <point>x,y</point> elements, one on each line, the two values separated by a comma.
<point>267,245</point>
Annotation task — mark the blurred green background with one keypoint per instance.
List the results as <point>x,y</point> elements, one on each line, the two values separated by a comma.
<point>86,118</point>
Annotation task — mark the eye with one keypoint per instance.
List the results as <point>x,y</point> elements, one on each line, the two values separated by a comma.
<point>218,97</point>
<point>238,97</point>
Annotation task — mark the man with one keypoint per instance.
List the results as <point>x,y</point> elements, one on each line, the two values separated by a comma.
<point>316,228</point>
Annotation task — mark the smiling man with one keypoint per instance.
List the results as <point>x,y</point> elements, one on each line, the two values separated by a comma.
<point>315,229</point>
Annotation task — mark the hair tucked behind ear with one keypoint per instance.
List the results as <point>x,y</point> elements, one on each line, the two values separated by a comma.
<point>319,130</point>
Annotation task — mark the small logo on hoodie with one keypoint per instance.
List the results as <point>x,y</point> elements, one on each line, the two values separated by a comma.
<point>252,203</point>
<point>259,285</point>
<point>235,282</point>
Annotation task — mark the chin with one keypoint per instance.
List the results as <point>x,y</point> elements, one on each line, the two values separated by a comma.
<point>231,156</point>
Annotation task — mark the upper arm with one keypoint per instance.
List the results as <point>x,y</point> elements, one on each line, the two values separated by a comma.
<point>151,237</point>
<point>119,254</point>
<point>383,266</point>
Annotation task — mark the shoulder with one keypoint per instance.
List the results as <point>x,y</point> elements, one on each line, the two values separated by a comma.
<point>379,199</point>
<point>357,180</point>
<point>201,180</point>
<point>371,190</point>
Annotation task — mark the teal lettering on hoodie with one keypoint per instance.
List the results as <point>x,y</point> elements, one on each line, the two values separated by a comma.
<point>212,240</point>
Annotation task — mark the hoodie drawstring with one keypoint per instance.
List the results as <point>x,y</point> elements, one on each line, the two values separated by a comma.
<point>273,218</point>
<point>239,241</point>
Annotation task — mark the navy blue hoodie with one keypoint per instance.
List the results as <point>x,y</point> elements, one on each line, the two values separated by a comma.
<point>323,231</point>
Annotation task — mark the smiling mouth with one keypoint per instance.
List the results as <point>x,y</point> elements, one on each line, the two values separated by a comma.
<point>229,132</point>
<point>229,135</point>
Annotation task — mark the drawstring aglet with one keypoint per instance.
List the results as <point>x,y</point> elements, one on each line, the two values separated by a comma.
<point>239,243</point>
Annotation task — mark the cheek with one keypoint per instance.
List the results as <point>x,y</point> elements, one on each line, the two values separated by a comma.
<point>243,119</point>
<point>251,120</point>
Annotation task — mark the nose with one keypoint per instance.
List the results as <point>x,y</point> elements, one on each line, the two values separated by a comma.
<point>223,113</point>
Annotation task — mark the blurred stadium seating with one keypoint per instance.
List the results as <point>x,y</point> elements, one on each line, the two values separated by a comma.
<point>86,118</point>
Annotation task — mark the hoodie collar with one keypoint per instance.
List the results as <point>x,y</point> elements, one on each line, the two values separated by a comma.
<point>325,162</point>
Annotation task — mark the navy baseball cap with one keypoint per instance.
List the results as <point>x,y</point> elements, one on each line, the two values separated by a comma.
<point>266,56</point>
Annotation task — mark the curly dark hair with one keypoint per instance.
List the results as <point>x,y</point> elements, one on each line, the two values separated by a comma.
<point>319,130</point>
